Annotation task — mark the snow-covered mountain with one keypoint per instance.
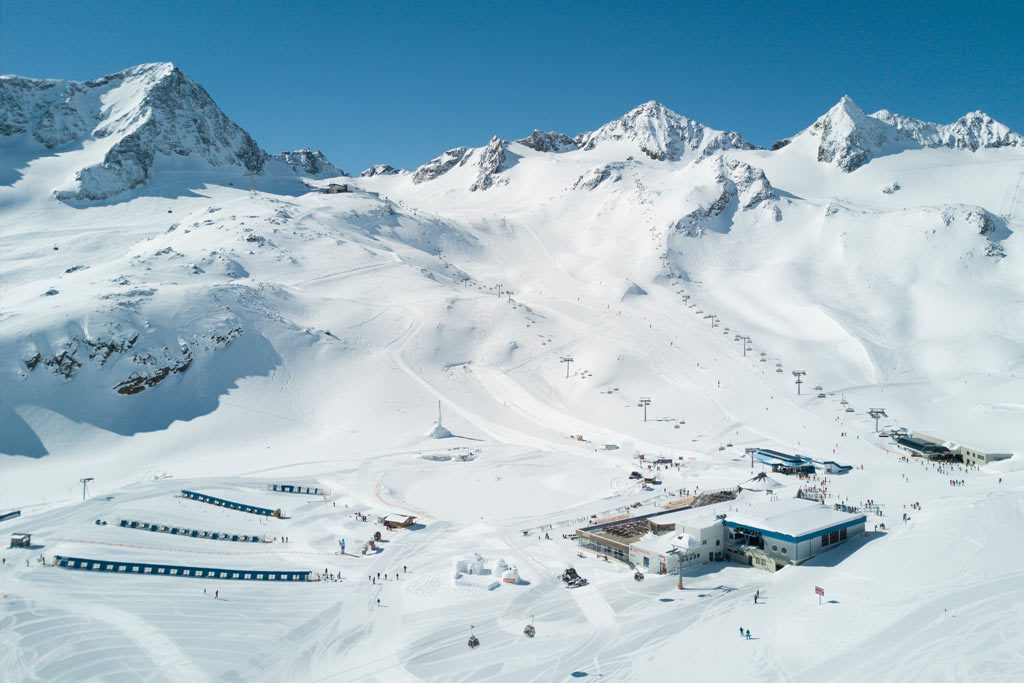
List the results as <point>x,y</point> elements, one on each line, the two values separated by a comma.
<point>972,131</point>
<point>160,319</point>
<point>849,138</point>
<point>110,133</point>
<point>662,134</point>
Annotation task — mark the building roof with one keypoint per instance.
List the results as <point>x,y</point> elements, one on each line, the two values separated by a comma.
<point>666,543</point>
<point>792,518</point>
<point>398,519</point>
<point>761,482</point>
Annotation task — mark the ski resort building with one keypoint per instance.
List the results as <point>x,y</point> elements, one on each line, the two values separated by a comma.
<point>789,531</point>
<point>768,534</point>
<point>795,464</point>
<point>970,456</point>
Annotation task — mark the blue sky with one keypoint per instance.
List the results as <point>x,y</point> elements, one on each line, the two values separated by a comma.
<point>400,82</point>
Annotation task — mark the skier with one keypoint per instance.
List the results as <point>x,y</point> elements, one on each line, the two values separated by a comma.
<point>757,596</point>
<point>216,594</point>
<point>748,634</point>
<point>378,602</point>
<point>741,631</point>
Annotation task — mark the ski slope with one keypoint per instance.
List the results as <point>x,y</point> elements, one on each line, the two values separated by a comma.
<point>284,335</point>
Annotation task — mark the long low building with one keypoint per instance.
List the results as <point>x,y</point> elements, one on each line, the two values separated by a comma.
<point>970,455</point>
<point>753,530</point>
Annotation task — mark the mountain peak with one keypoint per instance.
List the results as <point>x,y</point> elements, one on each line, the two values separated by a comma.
<point>311,163</point>
<point>849,138</point>
<point>662,134</point>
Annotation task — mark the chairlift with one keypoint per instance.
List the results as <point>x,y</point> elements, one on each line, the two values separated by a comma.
<point>778,368</point>
<point>821,395</point>
<point>474,642</point>
<point>844,401</point>
<point>849,409</point>
<point>530,631</point>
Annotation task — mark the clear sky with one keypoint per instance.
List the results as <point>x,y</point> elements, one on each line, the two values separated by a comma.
<point>400,82</point>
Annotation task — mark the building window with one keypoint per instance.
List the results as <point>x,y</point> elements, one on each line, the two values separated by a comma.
<point>783,551</point>
<point>718,541</point>
<point>775,547</point>
<point>842,534</point>
<point>647,562</point>
<point>824,540</point>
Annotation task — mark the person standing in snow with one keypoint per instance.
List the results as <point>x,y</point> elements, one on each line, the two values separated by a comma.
<point>741,631</point>
<point>748,634</point>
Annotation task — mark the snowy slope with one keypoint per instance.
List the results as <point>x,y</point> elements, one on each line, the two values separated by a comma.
<point>196,334</point>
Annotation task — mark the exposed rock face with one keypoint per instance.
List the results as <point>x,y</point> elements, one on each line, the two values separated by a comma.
<point>549,141</point>
<point>849,138</point>
<point>310,163</point>
<point>992,227</point>
<point>741,188</point>
<point>440,165</point>
<point>610,173</point>
<point>972,131</point>
<point>493,160</point>
<point>380,169</point>
<point>142,112</point>
<point>663,135</point>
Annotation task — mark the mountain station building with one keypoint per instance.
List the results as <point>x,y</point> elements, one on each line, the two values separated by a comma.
<point>766,533</point>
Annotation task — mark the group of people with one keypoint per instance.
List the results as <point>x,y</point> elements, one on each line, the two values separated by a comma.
<point>384,577</point>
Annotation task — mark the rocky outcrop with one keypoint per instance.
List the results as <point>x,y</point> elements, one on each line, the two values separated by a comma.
<point>494,158</point>
<point>380,169</point>
<point>549,141</point>
<point>592,179</point>
<point>311,164</point>
<point>741,188</point>
<point>438,166</point>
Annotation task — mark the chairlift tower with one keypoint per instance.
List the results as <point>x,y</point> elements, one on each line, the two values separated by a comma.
<point>643,403</point>
<point>567,360</point>
<point>85,483</point>
<point>798,374</point>
<point>746,343</point>
<point>252,182</point>
<point>877,413</point>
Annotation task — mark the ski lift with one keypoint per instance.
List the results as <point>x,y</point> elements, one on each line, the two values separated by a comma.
<point>474,642</point>
<point>849,409</point>
<point>844,402</point>
<point>821,395</point>
<point>530,631</point>
<point>778,368</point>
